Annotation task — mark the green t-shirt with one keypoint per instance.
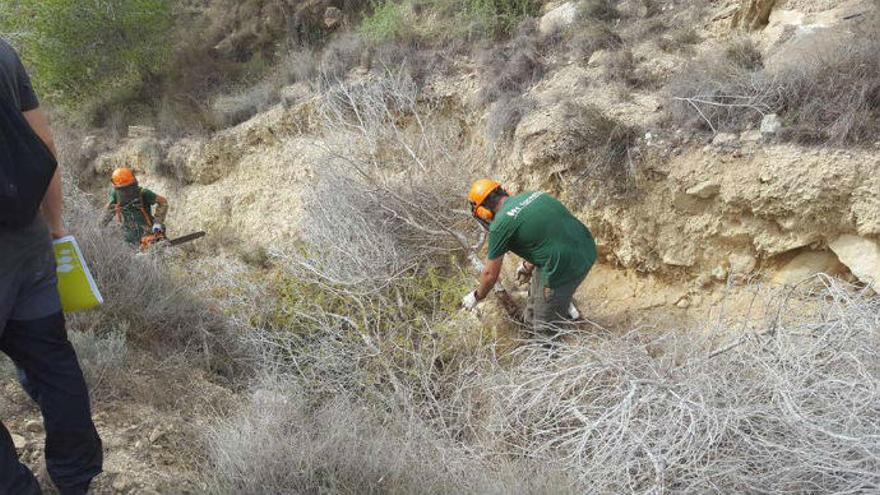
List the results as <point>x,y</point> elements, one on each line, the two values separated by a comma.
<point>541,230</point>
<point>134,224</point>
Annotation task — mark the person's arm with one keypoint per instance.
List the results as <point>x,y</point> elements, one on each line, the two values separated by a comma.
<point>161,209</point>
<point>488,277</point>
<point>107,215</point>
<point>53,201</point>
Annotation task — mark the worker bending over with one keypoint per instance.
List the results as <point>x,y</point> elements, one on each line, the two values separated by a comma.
<point>550,240</point>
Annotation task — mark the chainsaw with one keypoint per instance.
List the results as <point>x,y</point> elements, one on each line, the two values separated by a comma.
<point>156,238</point>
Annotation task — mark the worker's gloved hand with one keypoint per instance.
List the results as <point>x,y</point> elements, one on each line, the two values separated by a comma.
<point>573,312</point>
<point>523,274</point>
<point>158,228</point>
<point>470,300</point>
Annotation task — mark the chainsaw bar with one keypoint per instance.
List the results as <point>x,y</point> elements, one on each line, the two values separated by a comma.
<point>186,238</point>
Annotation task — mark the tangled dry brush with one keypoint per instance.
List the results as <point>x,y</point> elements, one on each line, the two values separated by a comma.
<point>376,383</point>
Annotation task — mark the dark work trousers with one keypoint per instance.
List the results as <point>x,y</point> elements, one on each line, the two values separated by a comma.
<point>546,308</point>
<point>35,338</point>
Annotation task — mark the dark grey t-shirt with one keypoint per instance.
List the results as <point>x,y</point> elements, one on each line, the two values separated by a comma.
<point>15,86</point>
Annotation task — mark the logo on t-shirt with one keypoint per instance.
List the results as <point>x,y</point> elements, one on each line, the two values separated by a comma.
<point>520,207</point>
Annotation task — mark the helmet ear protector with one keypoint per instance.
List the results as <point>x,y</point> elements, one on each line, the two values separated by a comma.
<point>481,213</point>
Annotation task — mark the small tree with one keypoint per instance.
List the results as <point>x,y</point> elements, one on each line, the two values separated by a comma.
<point>79,49</point>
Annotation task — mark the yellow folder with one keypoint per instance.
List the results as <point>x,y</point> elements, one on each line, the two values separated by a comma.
<point>75,283</point>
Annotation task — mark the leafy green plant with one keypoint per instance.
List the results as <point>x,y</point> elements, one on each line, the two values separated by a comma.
<point>388,22</point>
<point>80,49</point>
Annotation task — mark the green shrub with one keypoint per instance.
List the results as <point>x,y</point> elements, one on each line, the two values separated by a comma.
<point>443,20</point>
<point>388,22</point>
<point>83,49</point>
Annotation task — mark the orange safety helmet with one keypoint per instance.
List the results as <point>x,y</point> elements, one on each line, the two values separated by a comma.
<point>481,190</point>
<point>123,177</point>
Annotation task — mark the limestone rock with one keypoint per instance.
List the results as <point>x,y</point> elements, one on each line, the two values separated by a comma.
<point>33,426</point>
<point>723,138</point>
<point>156,435</point>
<point>704,190</point>
<point>742,264</point>
<point>753,14</point>
<point>599,58</point>
<point>805,265</point>
<point>861,256</point>
<point>770,124</point>
<point>866,207</point>
<point>558,18</point>
<point>752,136</point>
<point>18,441</point>
<point>140,154</point>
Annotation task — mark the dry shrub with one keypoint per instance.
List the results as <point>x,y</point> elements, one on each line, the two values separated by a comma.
<point>602,10</point>
<point>395,172</point>
<point>592,37</point>
<point>508,70</point>
<point>280,441</point>
<point>299,66</point>
<point>828,94</point>
<point>679,39</point>
<point>104,359</point>
<point>419,62</point>
<point>604,144</point>
<point>231,110</point>
<point>503,117</point>
<point>743,52</point>
<point>622,67</point>
<point>788,407</point>
<point>341,55</point>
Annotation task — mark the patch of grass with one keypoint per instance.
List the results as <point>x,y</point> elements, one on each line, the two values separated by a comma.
<point>388,22</point>
<point>443,21</point>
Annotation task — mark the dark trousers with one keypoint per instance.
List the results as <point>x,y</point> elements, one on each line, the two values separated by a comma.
<point>33,335</point>
<point>546,308</point>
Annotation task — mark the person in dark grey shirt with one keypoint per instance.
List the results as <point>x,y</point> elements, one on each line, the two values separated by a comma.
<point>32,327</point>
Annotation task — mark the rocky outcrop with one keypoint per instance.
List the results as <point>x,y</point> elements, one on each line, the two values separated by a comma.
<point>141,154</point>
<point>709,210</point>
<point>861,256</point>
<point>808,264</point>
<point>558,19</point>
<point>753,14</point>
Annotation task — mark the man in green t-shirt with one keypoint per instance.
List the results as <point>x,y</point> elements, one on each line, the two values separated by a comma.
<point>550,240</point>
<point>132,206</point>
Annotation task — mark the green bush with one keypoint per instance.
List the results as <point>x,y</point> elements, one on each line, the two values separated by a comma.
<point>388,22</point>
<point>79,49</point>
<point>443,20</point>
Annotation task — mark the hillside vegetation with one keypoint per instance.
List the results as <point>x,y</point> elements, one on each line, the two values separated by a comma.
<point>313,342</point>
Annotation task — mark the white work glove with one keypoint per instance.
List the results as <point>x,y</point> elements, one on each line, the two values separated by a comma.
<point>470,300</point>
<point>573,312</point>
<point>158,227</point>
<point>523,274</point>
